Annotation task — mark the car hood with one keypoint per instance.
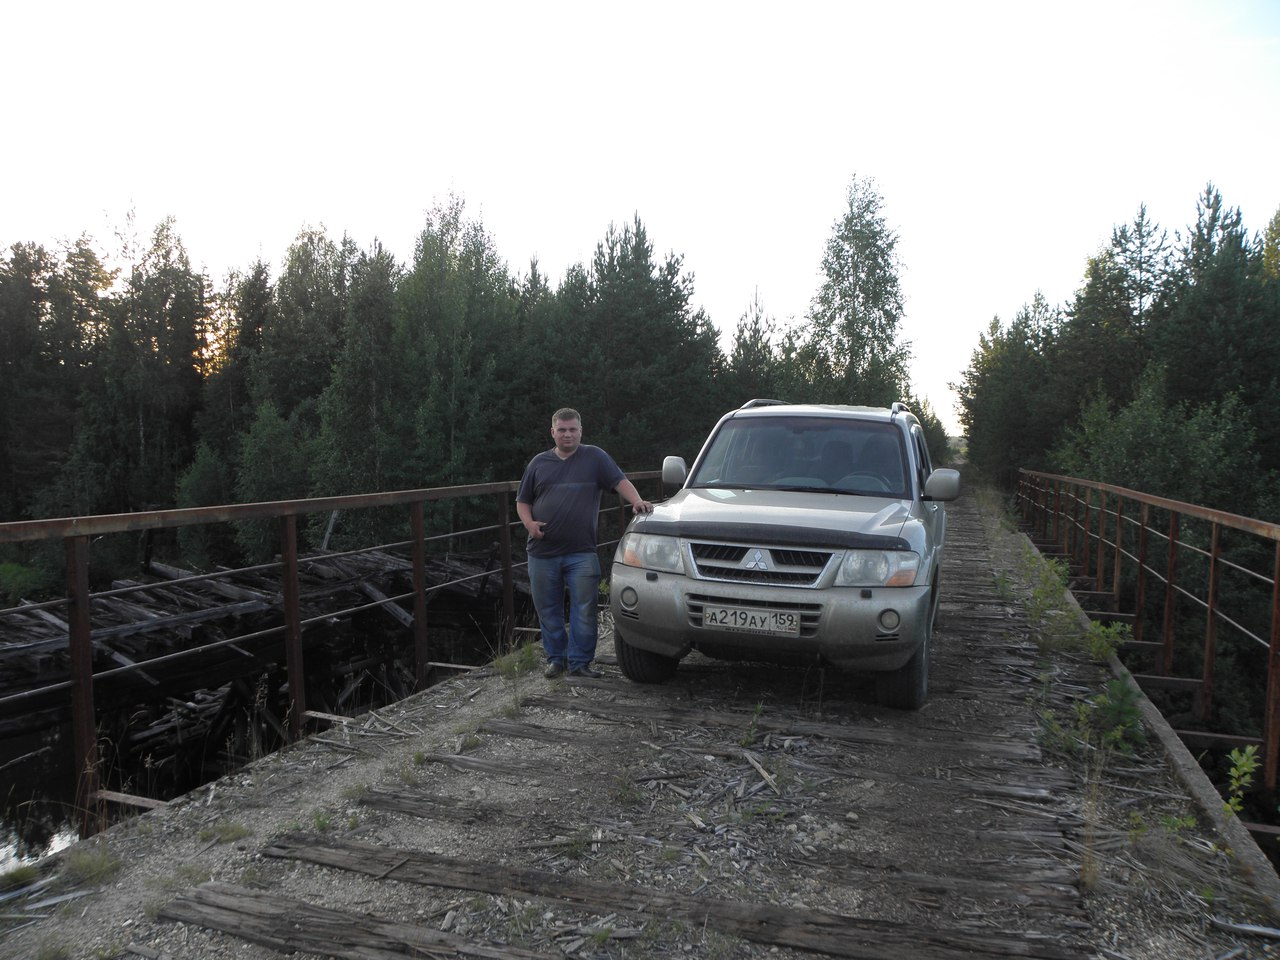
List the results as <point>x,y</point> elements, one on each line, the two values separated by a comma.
<point>783,517</point>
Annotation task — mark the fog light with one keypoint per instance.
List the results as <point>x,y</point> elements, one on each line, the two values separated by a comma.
<point>889,620</point>
<point>628,598</point>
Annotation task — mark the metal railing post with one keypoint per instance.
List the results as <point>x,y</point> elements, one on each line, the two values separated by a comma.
<point>1211,624</point>
<point>421,650</point>
<point>293,626</point>
<point>84,724</point>
<point>1058,533</point>
<point>1140,588</point>
<point>1086,532</point>
<point>508,585</point>
<point>1171,570</point>
<point>1100,560</point>
<point>1118,553</point>
<point>1271,722</point>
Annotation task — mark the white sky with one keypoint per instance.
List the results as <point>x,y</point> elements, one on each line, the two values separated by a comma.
<point>1006,139</point>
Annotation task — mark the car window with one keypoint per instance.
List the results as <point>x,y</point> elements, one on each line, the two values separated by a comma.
<point>839,455</point>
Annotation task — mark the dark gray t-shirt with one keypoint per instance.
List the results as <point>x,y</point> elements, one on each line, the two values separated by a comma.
<point>566,495</point>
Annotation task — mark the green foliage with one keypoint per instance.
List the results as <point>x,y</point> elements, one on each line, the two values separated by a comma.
<point>1203,455</point>
<point>1009,420</point>
<point>20,581</point>
<point>1108,721</point>
<point>89,864</point>
<point>1104,639</point>
<point>18,877</point>
<point>520,661</point>
<point>207,481</point>
<point>1159,375</point>
<point>1048,588</point>
<point>275,459</point>
<point>853,352</point>
<point>1114,715</point>
<point>1244,764</point>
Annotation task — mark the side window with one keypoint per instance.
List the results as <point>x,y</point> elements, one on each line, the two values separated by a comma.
<point>924,466</point>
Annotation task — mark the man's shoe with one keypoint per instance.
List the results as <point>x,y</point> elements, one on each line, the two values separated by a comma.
<point>554,669</point>
<point>586,671</point>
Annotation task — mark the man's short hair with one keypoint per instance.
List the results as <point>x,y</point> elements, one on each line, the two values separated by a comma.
<point>565,413</point>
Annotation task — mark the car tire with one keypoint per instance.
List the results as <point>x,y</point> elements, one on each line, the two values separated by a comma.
<point>907,688</point>
<point>642,666</point>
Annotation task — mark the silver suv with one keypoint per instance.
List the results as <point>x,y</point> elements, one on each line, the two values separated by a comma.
<point>803,534</point>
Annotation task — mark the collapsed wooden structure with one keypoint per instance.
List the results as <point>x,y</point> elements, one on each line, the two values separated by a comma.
<point>180,658</point>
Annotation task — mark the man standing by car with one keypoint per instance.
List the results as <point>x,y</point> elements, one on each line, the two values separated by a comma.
<point>559,502</point>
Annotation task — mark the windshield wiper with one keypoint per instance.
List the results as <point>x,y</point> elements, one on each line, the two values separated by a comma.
<point>802,489</point>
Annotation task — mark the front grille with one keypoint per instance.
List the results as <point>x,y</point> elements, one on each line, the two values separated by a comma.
<point>777,566</point>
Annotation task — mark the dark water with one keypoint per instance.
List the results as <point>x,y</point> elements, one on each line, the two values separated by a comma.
<point>220,731</point>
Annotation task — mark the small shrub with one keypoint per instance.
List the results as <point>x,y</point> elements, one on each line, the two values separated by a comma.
<point>1104,639</point>
<point>18,877</point>
<point>1244,764</point>
<point>518,662</point>
<point>1114,714</point>
<point>89,865</point>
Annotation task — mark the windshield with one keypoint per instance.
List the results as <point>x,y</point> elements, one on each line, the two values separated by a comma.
<point>826,454</point>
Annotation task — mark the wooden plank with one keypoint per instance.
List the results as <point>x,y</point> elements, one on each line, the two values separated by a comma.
<point>128,799</point>
<point>430,806</point>
<point>1204,739</point>
<point>1110,616</point>
<point>291,925</point>
<point>387,605</point>
<point>835,934</point>
<point>847,733</point>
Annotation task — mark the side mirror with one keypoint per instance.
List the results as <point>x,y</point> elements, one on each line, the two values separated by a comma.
<point>943,484</point>
<point>674,472</point>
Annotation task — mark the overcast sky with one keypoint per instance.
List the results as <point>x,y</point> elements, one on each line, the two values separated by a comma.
<point>1006,139</point>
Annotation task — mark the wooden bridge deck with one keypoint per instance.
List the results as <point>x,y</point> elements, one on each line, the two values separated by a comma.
<point>739,811</point>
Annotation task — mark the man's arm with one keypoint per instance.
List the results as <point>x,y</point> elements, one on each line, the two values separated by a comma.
<point>533,527</point>
<point>627,490</point>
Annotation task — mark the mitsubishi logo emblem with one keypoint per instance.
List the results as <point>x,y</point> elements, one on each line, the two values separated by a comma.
<point>755,561</point>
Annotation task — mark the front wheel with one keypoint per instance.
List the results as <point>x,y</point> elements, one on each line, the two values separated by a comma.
<point>907,688</point>
<point>642,666</point>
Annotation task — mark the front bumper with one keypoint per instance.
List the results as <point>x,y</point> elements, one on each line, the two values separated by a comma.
<point>850,628</point>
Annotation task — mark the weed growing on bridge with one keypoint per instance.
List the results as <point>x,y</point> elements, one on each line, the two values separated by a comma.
<point>1104,639</point>
<point>513,665</point>
<point>753,728</point>
<point>89,864</point>
<point>1244,764</point>
<point>224,832</point>
<point>1046,602</point>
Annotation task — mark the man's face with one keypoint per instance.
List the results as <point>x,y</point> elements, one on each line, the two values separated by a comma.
<point>567,435</point>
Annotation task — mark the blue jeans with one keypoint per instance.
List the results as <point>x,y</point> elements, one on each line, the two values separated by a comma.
<point>549,577</point>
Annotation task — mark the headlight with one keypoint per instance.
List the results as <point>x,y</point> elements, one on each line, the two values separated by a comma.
<point>878,568</point>
<point>650,551</point>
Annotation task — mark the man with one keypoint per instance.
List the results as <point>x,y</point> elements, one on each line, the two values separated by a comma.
<point>558,502</point>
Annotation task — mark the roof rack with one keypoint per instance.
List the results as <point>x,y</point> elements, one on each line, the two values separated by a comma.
<point>761,402</point>
<point>899,407</point>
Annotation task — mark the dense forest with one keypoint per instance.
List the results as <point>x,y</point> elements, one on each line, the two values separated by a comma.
<point>1162,374</point>
<point>144,387</point>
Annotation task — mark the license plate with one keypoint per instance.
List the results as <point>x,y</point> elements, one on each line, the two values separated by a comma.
<point>774,623</point>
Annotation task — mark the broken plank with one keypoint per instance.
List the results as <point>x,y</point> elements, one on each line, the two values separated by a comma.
<point>835,934</point>
<point>291,925</point>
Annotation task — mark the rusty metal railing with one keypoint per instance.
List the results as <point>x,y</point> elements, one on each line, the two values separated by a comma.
<point>77,533</point>
<point>1157,557</point>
